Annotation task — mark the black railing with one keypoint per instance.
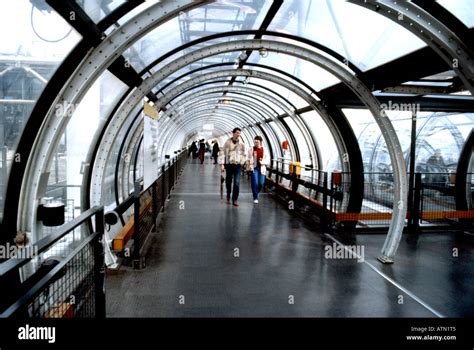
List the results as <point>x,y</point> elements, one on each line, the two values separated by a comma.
<point>313,185</point>
<point>147,204</point>
<point>59,276</point>
<point>3,175</point>
<point>433,196</point>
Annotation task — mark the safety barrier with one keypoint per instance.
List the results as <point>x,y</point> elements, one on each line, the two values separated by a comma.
<point>60,276</point>
<point>431,202</point>
<point>147,204</point>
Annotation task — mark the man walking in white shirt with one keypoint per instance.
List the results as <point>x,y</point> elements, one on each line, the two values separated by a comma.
<point>231,159</point>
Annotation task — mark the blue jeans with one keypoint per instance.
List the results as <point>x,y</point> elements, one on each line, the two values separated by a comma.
<point>232,172</point>
<point>257,181</point>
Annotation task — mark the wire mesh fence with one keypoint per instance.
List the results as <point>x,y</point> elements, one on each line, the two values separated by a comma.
<point>149,202</point>
<point>442,202</point>
<point>63,278</point>
<point>71,292</point>
<point>435,200</point>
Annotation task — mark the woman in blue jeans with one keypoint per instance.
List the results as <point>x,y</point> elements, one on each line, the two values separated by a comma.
<point>257,160</point>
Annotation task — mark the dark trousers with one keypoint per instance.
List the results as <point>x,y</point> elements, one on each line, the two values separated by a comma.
<point>232,172</point>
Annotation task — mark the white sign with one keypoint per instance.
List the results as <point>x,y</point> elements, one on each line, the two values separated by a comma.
<point>150,156</point>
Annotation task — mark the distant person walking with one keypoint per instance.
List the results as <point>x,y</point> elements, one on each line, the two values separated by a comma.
<point>202,150</point>
<point>257,160</point>
<point>231,159</point>
<point>193,149</point>
<point>215,151</point>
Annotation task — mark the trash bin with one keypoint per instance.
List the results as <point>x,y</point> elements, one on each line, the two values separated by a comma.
<point>51,214</point>
<point>336,177</point>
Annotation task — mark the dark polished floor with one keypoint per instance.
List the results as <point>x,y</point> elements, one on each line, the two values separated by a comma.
<point>210,259</point>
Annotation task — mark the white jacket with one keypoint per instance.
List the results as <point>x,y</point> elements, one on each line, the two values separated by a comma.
<point>237,156</point>
<point>252,161</point>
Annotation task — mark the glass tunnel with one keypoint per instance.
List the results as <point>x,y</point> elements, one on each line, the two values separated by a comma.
<point>364,109</point>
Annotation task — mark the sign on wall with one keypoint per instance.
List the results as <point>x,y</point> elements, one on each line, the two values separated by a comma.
<point>150,145</point>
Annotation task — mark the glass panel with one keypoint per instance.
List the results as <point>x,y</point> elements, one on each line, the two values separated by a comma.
<point>291,96</point>
<point>278,132</point>
<point>210,85</point>
<point>88,118</point>
<point>440,133</point>
<point>226,57</point>
<point>140,8</point>
<point>229,57</point>
<point>347,29</point>
<point>313,75</point>
<point>327,146</point>
<point>295,99</point>
<point>273,143</point>
<point>139,166</point>
<point>127,167</point>
<point>263,104</point>
<point>373,148</point>
<point>98,9</point>
<point>302,145</point>
<point>462,9</point>
<point>246,138</point>
<point>222,16</point>
<point>125,158</point>
<point>40,41</point>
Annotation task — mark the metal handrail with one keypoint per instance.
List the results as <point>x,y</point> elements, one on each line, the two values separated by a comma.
<point>37,288</point>
<point>49,240</point>
<point>285,161</point>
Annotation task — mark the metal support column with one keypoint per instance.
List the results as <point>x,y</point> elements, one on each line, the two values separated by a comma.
<point>411,222</point>
<point>99,261</point>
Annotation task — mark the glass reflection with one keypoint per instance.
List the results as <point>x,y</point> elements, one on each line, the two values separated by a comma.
<point>69,163</point>
<point>347,29</point>
<point>222,16</point>
<point>28,59</point>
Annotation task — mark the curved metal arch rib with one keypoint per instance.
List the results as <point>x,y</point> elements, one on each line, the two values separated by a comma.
<point>85,75</point>
<point>204,116</point>
<point>345,75</point>
<point>255,113</point>
<point>194,106</point>
<point>269,133</point>
<point>280,98</point>
<point>349,78</point>
<point>247,92</point>
<point>316,105</point>
<point>333,127</point>
<point>258,109</point>
<point>202,70</point>
<point>219,124</point>
<point>283,129</point>
<point>188,85</point>
<point>195,122</point>
<point>196,94</point>
<point>237,103</point>
<point>190,100</point>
